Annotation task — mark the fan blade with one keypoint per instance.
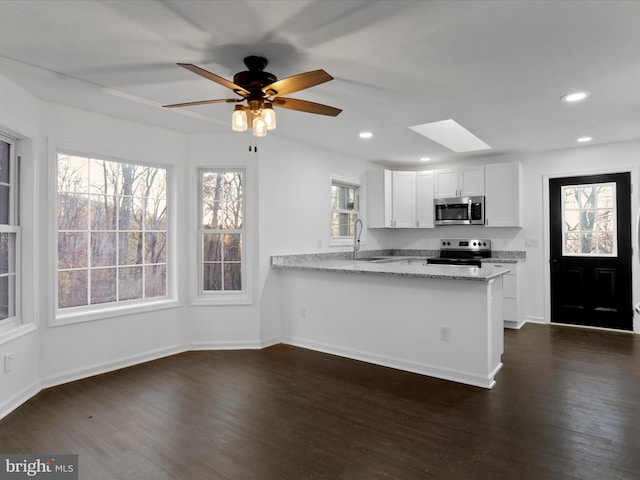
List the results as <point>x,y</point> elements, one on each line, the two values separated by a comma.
<point>306,106</point>
<point>215,78</point>
<point>296,83</point>
<point>202,102</point>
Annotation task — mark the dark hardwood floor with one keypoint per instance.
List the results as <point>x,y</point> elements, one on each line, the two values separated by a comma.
<point>566,406</point>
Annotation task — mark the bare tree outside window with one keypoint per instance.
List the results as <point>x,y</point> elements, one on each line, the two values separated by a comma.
<point>112,231</point>
<point>589,219</point>
<point>222,230</point>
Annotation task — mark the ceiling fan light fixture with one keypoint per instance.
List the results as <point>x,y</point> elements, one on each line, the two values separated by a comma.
<point>239,121</point>
<point>259,126</point>
<point>269,116</point>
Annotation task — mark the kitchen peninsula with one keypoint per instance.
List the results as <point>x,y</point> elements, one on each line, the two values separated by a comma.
<point>437,320</point>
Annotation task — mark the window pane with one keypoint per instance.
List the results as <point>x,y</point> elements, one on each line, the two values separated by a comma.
<point>155,251</point>
<point>130,248</point>
<point>72,288</point>
<point>156,214</point>
<point>222,200</point>
<point>4,253</point>
<point>103,212</point>
<point>5,204</point>
<point>73,174</point>
<point>103,249</point>
<point>155,281</point>
<point>72,250</point>
<point>5,152</point>
<point>212,247</point>
<point>212,280</point>
<point>130,283</point>
<point>73,211</point>
<point>589,219</point>
<point>103,285</point>
<point>7,287</point>
<point>233,247</point>
<point>232,276</point>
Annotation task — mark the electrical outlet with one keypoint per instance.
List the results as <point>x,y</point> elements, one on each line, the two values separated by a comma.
<point>8,362</point>
<point>532,242</point>
<point>302,312</point>
<point>444,334</point>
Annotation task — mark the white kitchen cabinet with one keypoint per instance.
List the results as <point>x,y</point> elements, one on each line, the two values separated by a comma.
<point>502,198</point>
<point>512,295</point>
<point>425,190</point>
<point>403,199</point>
<point>459,182</point>
<point>391,199</point>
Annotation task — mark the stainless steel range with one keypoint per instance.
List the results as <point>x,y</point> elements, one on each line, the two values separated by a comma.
<point>462,251</point>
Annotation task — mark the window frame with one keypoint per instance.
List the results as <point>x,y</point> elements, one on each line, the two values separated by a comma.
<point>343,240</point>
<point>83,313</point>
<point>13,228</point>
<point>223,297</point>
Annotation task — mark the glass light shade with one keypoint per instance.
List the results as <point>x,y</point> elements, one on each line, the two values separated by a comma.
<point>269,116</point>
<point>239,119</point>
<point>259,126</point>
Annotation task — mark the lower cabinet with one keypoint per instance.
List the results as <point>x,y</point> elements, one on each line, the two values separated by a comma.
<point>512,295</point>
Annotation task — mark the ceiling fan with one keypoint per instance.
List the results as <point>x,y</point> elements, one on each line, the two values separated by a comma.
<point>262,91</point>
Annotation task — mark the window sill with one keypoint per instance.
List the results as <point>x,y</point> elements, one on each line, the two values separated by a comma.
<point>223,299</point>
<point>63,318</point>
<point>9,333</point>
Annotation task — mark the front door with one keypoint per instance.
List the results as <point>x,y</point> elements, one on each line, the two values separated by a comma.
<point>590,246</point>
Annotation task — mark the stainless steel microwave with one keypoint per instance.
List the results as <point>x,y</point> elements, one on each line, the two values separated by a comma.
<point>459,211</point>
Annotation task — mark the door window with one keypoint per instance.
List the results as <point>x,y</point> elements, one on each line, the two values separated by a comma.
<point>589,220</point>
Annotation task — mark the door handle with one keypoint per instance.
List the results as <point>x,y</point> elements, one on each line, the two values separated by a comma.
<point>553,261</point>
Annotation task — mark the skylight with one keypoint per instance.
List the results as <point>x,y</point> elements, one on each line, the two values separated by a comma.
<point>452,135</point>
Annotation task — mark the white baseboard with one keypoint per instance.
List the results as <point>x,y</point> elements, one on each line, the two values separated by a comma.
<point>398,363</point>
<point>18,399</point>
<point>98,369</point>
<point>540,320</point>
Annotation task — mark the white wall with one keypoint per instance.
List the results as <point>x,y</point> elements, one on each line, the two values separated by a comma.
<point>295,208</point>
<point>77,350</point>
<point>20,114</point>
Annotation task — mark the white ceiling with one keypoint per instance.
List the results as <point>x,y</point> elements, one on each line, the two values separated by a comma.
<point>496,67</point>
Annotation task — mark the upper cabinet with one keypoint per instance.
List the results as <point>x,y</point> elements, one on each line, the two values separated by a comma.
<point>403,199</point>
<point>425,188</point>
<point>502,199</point>
<point>400,199</point>
<point>459,182</point>
<point>397,199</point>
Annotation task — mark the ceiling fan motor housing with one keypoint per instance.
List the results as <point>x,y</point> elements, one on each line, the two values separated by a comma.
<point>255,77</point>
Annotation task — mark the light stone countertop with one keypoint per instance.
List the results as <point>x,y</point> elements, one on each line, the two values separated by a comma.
<point>395,266</point>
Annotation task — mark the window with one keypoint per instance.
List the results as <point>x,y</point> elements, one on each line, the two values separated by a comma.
<point>222,232</point>
<point>344,210</point>
<point>589,220</point>
<point>9,233</point>
<point>112,232</point>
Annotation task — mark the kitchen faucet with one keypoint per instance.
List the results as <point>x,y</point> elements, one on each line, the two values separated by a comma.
<point>356,237</point>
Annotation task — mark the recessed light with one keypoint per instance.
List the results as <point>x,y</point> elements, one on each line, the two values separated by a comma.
<point>584,139</point>
<point>366,134</point>
<point>425,159</point>
<point>574,97</point>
